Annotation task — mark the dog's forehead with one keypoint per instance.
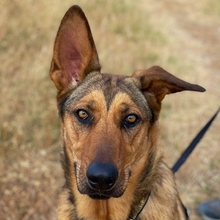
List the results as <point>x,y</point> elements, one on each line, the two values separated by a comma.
<point>109,85</point>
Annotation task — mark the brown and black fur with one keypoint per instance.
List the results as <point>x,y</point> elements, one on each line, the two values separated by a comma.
<point>112,156</point>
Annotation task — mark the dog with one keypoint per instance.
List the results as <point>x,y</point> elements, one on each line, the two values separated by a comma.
<point>112,156</point>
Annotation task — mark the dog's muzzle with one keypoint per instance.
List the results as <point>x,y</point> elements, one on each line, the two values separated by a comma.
<point>101,180</point>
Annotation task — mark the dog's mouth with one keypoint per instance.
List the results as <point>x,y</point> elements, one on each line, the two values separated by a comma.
<point>99,196</point>
<point>115,192</point>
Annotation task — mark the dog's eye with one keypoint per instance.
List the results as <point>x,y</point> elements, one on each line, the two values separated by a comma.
<point>131,121</point>
<point>83,116</point>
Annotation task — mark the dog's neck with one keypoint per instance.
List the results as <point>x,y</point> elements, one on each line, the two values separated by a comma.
<point>134,214</point>
<point>114,208</point>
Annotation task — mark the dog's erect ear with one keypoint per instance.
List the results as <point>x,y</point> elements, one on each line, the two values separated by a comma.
<point>75,53</point>
<point>159,82</point>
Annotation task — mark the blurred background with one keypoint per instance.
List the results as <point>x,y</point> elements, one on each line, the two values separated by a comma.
<point>182,36</point>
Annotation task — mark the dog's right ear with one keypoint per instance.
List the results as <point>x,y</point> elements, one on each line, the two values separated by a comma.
<point>75,53</point>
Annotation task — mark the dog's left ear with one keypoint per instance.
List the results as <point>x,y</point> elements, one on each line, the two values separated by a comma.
<point>157,82</point>
<point>75,53</point>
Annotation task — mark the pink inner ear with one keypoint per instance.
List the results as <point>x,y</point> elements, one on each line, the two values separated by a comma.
<point>75,54</point>
<point>71,63</point>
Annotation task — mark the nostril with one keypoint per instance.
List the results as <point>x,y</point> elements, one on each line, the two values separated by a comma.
<point>93,180</point>
<point>102,176</point>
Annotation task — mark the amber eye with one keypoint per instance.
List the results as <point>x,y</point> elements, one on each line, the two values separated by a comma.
<point>83,116</point>
<point>131,121</point>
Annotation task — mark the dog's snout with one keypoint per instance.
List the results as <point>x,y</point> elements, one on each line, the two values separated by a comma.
<point>102,176</point>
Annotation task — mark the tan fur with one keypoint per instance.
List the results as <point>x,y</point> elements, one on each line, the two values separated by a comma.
<point>115,208</point>
<point>111,121</point>
<point>75,140</point>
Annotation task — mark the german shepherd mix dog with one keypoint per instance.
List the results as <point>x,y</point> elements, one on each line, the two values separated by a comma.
<point>112,157</point>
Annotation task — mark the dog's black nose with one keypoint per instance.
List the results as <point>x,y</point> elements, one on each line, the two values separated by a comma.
<point>102,176</point>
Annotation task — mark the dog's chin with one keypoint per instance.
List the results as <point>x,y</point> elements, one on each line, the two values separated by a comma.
<point>99,197</point>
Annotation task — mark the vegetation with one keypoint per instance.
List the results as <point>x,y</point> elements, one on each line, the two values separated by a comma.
<point>180,36</point>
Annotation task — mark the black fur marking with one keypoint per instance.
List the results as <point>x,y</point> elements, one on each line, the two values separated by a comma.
<point>110,88</point>
<point>61,106</point>
<point>71,197</point>
<point>66,166</point>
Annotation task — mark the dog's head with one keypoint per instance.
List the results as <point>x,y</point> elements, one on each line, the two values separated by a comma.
<point>107,119</point>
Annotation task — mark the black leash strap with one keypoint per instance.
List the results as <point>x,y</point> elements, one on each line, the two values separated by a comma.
<point>193,144</point>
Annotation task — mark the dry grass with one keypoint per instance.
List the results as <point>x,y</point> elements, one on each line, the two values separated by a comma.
<point>181,36</point>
